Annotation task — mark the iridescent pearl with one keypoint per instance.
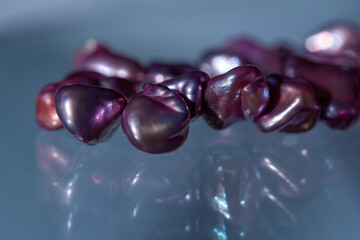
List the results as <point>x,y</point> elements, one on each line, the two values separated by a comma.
<point>293,105</point>
<point>45,113</point>
<point>126,87</point>
<point>94,56</point>
<point>218,62</point>
<point>159,72</point>
<point>190,87</point>
<point>252,52</point>
<point>240,93</point>
<point>90,113</point>
<point>338,90</point>
<point>156,120</point>
<point>335,40</point>
<point>157,179</point>
<point>345,62</point>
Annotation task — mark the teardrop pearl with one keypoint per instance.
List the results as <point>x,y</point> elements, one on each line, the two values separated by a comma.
<point>90,113</point>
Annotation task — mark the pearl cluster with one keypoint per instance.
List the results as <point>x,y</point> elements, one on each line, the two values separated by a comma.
<point>276,88</point>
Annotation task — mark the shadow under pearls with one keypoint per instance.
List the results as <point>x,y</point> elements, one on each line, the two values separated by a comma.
<point>231,184</point>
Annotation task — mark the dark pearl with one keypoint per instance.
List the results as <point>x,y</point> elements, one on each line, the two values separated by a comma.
<point>252,52</point>
<point>293,105</point>
<point>159,72</point>
<point>240,93</point>
<point>338,90</point>
<point>218,62</point>
<point>90,113</point>
<point>156,120</point>
<point>335,40</point>
<point>345,62</point>
<point>156,179</point>
<point>45,113</point>
<point>231,184</point>
<point>190,87</point>
<point>126,87</point>
<point>93,56</point>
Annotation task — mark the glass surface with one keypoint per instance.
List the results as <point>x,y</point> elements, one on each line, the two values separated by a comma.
<point>270,186</point>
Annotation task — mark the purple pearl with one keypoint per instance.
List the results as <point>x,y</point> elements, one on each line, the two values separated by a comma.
<point>156,120</point>
<point>335,40</point>
<point>159,72</point>
<point>93,56</point>
<point>345,62</point>
<point>157,179</point>
<point>338,90</point>
<point>126,87</point>
<point>219,62</point>
<point>293,105</point>
<point>90,113</point>
<point>190,87</point>
<point>45,113</point>
<point>252,52</point>
<point>240,93</point>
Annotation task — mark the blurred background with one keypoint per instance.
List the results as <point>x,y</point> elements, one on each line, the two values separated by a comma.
<point>52,187</point>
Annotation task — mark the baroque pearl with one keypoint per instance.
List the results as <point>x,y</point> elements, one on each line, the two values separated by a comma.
<point>45,113</point>
<point>240,93</point>
<point>90,113</point>
<point>94,56</point>
<point>219,62</point>
<point>156,120</point>
<point>253,52</point>
<point>293,105</point>
<point>159,72</point>
<point>126,87</point>
<point>338,89</point>
<point>190,87</point>
<point>334,40</point>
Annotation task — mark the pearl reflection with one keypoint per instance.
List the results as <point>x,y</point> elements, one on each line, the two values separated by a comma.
<point>268,164</point>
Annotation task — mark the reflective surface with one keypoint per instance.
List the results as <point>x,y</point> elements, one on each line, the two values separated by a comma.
<point>54,187</point>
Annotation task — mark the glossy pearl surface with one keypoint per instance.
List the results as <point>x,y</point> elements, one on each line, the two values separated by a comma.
<point>253,52</point>
<point>190,87</point>
<point>218,62</point>
<point>126,87</point>
<point>293,105</point>
<point>345,62</point>
<point>240,93</point>
<point>156,120</point>
<point>45,113</point>
<point>90,113</point>
<point>94,56</point>
<point>334,40</point>
<point>161,178</point>
<point>159,72</point>
<point>338,90</point>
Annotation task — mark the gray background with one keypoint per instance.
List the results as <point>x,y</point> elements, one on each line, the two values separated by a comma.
<point>37,42</point>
